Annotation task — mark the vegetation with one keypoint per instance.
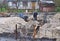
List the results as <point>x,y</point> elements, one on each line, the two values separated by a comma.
<point>14,10</point>
<point>57,9</point>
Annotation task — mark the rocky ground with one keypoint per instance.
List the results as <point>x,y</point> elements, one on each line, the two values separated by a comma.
<point>49,29</point>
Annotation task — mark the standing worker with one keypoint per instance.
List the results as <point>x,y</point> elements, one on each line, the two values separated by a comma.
<point>35,15</point>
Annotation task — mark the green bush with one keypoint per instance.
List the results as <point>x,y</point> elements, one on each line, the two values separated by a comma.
<point>3,10</point>
<point>14,10</point>
<point>21,10</point>
<point>57,9</point>
<point>18,10</point>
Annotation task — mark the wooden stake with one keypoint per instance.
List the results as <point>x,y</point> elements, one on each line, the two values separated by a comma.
<point>16,31</point>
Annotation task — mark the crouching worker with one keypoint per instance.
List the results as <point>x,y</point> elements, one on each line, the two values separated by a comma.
<point>26,18</point>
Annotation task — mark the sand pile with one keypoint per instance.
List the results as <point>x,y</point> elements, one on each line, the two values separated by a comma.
<point>8,24</point>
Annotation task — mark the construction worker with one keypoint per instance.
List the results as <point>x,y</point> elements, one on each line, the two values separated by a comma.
<point>26,18</point>
<point>35,15</point>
